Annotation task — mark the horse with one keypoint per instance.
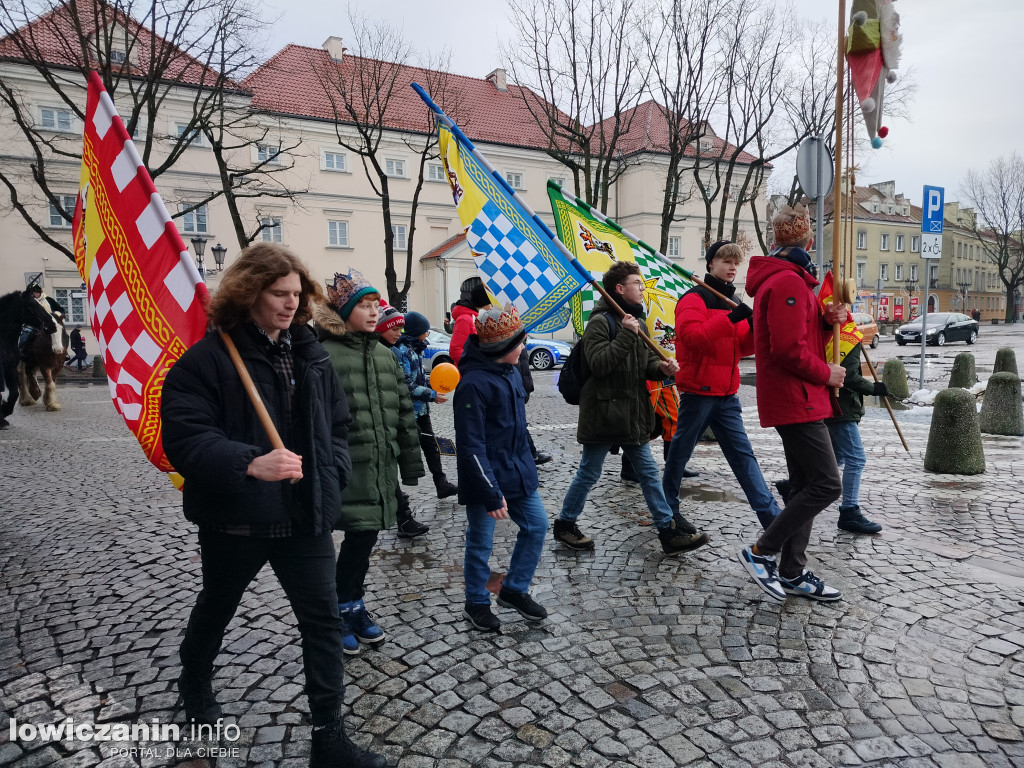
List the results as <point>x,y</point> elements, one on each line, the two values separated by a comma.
<point>43,353</point>
<point>16,309</point>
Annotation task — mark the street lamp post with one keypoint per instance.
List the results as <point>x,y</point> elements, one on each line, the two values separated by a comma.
<point>199,246</point>
<point>964,286</point>
<point>910,286</point>
<point>218,255</point>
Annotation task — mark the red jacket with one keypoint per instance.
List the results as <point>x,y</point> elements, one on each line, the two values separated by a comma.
<point>708,345</point>
<point>465,326</point>
<point>789,344</point>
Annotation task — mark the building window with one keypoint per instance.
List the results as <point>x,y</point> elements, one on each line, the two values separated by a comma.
<point>862,241</point>
<point>899,242</point>
<point>883,272</point>
<point>915,243</point>
<point>271,229</point>
<point>194,221</point>
<point>959,250</point>
<point>334,161</point>
<point>395,168</point>
<point>67,202</point>
<point>398,230</point>
<point>913,272</point>
<point>435,172</point>
<point>337,233</point>
<point>899,273</point>
<point>933,276</point>
<point>884,245</point>
<point>55,119</point>
<point>860,272</point>
<point>192,138</point>
<point>559,180</point>
<point>673,247</point>
<point>514,179</point>
<point>265,153</point>
<point>73,300</point>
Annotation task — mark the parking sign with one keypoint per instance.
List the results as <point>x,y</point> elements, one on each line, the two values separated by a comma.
<point>932,209</point>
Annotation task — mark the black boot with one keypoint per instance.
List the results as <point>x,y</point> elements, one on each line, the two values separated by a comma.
<point>407,526</point>
<point>197,696</point>
<point>445,487</point>
<point>784,489</point>
<point>332,748</point>
<point>852,519</point>
<point>674,541</point>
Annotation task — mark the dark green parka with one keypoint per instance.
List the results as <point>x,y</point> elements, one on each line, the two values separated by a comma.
<point>615,407</point>
<point>383,437</point>
<point>855,387</point>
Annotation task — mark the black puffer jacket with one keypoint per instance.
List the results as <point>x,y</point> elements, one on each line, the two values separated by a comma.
<point>211,433</point>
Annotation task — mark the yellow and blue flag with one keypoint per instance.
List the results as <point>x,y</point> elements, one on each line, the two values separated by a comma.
<point>518,257</point>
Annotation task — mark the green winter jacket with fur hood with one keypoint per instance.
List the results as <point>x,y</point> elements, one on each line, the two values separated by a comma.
<point>382,433</point>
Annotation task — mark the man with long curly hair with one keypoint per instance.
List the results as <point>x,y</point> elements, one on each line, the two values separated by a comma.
<point>255,504</point>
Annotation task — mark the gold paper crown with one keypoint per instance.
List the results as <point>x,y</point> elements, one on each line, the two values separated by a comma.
<point>495,328</point>
<point>792,231</point>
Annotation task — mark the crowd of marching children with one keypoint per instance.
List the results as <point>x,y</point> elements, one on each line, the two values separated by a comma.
<point>351,404</point>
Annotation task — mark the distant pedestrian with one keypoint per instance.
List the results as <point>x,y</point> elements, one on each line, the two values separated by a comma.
<point>382,441</point>
<point>615,410</point>
<point>77,345</point>
<point>793,381</point>
<point>238,488</point>
<point>497,475</point>
<point>474,298</point>
<point>711,338</point>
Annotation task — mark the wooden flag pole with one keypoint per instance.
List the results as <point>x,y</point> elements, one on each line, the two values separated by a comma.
<point>837,192</point>
<point>622,313</point>
<point>885,400</point>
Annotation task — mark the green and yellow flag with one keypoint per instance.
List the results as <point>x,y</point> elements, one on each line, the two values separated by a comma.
<point>597,242</point>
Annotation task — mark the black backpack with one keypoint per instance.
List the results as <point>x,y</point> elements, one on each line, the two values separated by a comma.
<point>575,370</point>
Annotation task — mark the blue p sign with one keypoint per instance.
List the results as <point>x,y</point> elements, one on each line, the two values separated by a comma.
<point>931,210</point>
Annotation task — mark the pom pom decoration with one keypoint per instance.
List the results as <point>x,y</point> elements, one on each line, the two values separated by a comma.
<point>891,77</point>
<point>444,377</point>
<point>868,105</point>
<point>876,143</point>
<point>860,18</point>
<point>883,132</point>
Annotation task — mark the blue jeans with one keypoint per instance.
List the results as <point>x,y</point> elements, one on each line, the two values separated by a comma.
<point>590,472</point>
<point>725,417</point>
<point>529,514</point>
<point>850,456</point>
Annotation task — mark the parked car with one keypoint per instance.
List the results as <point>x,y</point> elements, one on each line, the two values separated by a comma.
<point>867,326</point>
<point>942,327</point>
<point>545,354</point>
<point>437,348</point>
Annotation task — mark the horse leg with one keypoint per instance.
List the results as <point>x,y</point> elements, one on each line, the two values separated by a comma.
<point>25,386</point>
<point>50,395</point>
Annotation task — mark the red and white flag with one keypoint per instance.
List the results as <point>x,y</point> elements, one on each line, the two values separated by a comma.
<point>146,298</point>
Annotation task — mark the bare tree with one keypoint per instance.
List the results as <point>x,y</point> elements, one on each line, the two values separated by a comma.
<point>367,92</point>
<point>149,55</point>
<point>577,63</point>
<point>997,195</point>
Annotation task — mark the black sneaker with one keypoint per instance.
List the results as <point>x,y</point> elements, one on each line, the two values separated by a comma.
<point>332,748</point>
<point>528,608</point>
<point>198,699</point>
<point>446,488</point>
<point>690,473</point>
<point>542,458</point>
<point>852,519</point>
<point>480,616</point>
<point>675,542</point>
<point>567,532</point>
<point>409,527</point>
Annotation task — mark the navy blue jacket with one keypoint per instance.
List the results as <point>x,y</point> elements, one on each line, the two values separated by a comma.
<point>494,458</point>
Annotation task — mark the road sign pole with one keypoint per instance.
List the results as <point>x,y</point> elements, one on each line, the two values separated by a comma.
<point>932,219</point>
<point>819,211</point>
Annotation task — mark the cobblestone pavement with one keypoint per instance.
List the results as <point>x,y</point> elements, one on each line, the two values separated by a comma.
<point>645,660</point>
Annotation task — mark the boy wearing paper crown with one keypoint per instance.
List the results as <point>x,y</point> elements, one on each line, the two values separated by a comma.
<point>382,430</point>
<point>497,474</point>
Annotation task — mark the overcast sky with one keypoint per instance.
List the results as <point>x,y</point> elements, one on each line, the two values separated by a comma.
<point>968,60</point>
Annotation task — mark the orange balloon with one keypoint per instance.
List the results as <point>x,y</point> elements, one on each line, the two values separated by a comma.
<point>444,377</point>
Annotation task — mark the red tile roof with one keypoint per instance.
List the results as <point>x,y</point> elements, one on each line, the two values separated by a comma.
<point>447,245</point>
<point>54,38</point>
<point>862,197</point>
<point>292,82</point>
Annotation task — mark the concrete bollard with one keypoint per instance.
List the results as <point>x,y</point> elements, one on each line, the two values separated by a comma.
<point>1001,410</point>
<point>954,440</point>
<point>98,371</point>
<point>894,374</point>
<point>1006,360</point>
<point>964,372</point>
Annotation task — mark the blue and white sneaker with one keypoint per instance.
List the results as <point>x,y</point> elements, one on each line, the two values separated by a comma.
<point>762,570</point>
<point>810,586</point>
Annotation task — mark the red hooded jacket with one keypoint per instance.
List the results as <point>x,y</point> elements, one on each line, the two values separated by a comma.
<point>708,345</point>
<point>789,344</point>
<point>465,326</point>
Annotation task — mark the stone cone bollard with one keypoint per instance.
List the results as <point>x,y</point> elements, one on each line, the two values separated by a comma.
<point>954,441</point>
<point>1001,411</point>
<point>98,370</point>
<point>894,374</point>
<point>964,373</point>
<point>1006,360</point>
<point>708,436</point>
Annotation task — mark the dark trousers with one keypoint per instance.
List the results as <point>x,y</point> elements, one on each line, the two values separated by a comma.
<point>353,563</point>
<point>304,566</point>
<point>428,442</point>
<point>815,482</point>
<point>80,357</point>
